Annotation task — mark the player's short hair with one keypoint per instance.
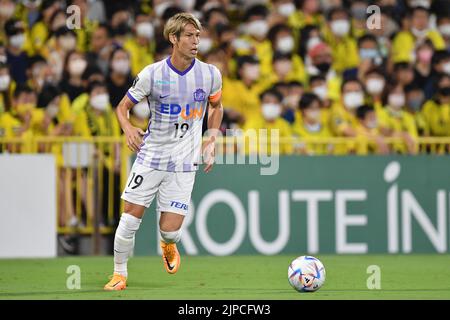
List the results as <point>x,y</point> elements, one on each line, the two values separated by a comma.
<point>175,25</point>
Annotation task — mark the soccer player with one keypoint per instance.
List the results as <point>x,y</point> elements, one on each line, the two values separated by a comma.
<point>178,90</point>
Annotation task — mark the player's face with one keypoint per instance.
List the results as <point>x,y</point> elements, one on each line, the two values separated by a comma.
<point>187,45</point>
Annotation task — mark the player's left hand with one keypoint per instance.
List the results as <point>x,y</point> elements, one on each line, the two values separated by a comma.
<point>208,152</point>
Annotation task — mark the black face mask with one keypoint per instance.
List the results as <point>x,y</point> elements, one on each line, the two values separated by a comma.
<point>445,91</point>
<point>323,67</point>
<point>122,29</point>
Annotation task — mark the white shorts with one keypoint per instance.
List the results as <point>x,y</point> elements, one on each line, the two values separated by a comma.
<point>172,189</point>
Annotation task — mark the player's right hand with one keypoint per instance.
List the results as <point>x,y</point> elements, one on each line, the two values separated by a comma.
<point>134,138</point>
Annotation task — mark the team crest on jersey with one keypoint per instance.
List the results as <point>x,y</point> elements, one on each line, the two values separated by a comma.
<point>199,95</point>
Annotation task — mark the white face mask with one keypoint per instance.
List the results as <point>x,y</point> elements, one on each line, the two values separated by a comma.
<point>340,27</point>
<point>286,9</point>
<point>444,29</point>
<point>312,42</point>
<point>252,71</point>
<point>141,110</point>
<point>353,100</point>
<point>4,82</point>
<point>271,111</point>
<point>205,45</point>
<point>145,30</point>
<point>52,110</point>
<point>68,43</point>
<point>121,66</point>
<point>17,40</point>
<point>321,92</point>
<point>375,86</point>
<point>100,102</point>
<point>446,68</point>
<point>396,100</point>
<point>419,33</point>
<point>241,44</point>
<point>77,66</point>
<point>285,44</point>
<point>257,28</point>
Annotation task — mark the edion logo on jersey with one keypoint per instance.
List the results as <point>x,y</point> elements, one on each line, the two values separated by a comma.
<point>179,205</point>
<point>186,112</point>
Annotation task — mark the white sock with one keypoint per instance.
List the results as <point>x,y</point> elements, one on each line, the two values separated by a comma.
<point>124,242</point>
<point>170,236</point>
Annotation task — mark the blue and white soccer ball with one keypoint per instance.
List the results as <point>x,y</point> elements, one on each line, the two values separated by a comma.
<point>306,274</point>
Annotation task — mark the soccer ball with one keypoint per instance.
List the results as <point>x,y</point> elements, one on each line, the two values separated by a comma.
<point>306,274</point>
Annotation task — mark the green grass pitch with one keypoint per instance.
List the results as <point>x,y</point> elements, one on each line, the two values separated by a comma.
<point>234,277</point>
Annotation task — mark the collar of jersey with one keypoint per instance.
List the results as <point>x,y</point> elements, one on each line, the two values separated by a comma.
<point>181,73</point>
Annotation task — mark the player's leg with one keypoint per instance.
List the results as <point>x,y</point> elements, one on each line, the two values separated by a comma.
<point>138,195</point>
<point>173,200</point>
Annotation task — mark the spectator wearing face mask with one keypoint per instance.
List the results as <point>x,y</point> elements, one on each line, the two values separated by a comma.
<point>256,29</point>
<point>244,92</point>
<point>396,122</point>
<point>141,47</point>
<point>422,66</point>
<point>283,44</point>
<point>338,36</point>
<point>415,99</point>
<point>440,65</point>
<point>374,84</point>
<point>16,54</point>
<point>62,42</point>
<point>370,140</point>
<point>119,79</point>
<point>311,126</point>
<point>97,118</point>
<point>369,57</point>
<point>319,63</point>
<point>74,66</point>
<point>443,25</point>
<point>269,117</point>
<point>404,42</point>
<point>90,75</point>
<point>343,119</point>
<point>7,11</point>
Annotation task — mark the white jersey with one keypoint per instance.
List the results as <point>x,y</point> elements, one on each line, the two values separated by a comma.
<point>177,102</point>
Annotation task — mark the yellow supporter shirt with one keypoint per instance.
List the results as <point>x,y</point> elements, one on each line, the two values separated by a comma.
<point>11,127</point>
<point>437,118</point>
<point>140,56</point>
<point>303,131</point>
<point>398,122</point>
<point>404,44</point>
<point>89,123</point>
<point>344,51</point>
<point>240,98</point>
<point>257,122</point>
<point>341,119</point>
<point>38,36</point>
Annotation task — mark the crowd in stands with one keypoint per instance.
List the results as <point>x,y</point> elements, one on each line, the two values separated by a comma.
<point>309,68</point>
